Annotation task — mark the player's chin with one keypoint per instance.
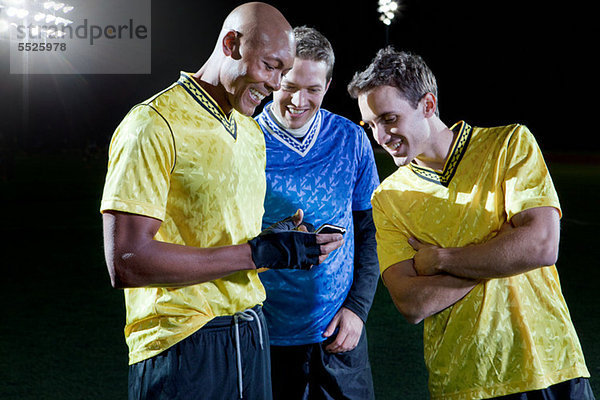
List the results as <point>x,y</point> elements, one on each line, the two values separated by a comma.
<point>247,110</point>
<point>247,106</point>
<point>401,161</point>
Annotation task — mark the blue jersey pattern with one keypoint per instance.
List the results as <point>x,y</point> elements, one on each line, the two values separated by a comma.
<point>329,174</point>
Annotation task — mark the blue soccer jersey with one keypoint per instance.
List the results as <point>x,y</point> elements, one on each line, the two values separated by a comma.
<point>328,173</point>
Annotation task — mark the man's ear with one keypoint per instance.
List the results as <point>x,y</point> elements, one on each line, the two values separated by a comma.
<point>231,44</point>
<point>429,104</point>
<point>327,86</point>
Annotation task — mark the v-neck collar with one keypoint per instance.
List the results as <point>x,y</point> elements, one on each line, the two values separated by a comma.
<point>204,99</point>
<point>302,147</point>
<point>456,154</point>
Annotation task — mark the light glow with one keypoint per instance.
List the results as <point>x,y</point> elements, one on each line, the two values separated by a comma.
<point>388,10</point>
<point>23,12</point>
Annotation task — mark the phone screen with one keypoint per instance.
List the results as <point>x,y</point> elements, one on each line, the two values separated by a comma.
<point>328,228</point>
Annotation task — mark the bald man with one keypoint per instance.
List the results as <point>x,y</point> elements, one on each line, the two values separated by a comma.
<point>182,208</point>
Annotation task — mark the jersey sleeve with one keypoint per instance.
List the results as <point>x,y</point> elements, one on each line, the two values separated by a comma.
<point>527,182</point>
<point>392,239</point>
<point>141,158</point>
<point>367,177</point>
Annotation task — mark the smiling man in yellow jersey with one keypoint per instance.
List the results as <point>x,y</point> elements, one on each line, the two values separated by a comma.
<point>467,238</point>
<point>182,209</point>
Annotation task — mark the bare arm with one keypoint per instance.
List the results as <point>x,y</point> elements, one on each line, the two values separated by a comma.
<point>135,259</point>
<point>530,241</point>
<point>418,297</point>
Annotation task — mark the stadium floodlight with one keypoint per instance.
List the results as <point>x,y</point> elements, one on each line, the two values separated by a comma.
<point>32,13</point>
<point>22,13</point>
<point>17,12</point>
<point>63,21</point>
<point>388,10</point>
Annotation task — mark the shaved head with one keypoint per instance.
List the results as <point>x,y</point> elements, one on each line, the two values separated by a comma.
<point>256,21</point>
<point>255,49</point>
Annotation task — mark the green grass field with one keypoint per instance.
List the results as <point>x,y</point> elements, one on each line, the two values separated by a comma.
<point>62,324</point>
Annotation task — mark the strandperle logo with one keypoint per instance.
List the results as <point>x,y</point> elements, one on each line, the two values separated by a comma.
<point>83,37</point>
<point>86,31</point>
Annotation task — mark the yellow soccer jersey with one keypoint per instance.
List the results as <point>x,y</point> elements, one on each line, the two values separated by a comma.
<point>176,157</point>
<point>507,335</point>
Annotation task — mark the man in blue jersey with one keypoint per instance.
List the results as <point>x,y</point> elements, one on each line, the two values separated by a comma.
<point>322,163</point>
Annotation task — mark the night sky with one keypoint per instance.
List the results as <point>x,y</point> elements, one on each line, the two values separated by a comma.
<point>496,62</point>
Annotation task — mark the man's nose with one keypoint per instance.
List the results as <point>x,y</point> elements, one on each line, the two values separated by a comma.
<point>274,83</point>
<point>298,98</point>
<point>380,135</point>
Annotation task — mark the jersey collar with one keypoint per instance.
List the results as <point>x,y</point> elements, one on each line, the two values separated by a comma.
<point>456,154</point>
<point>302,147</point>
<point>204,99</point>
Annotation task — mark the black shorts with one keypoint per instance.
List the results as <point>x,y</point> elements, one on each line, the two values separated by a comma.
<point>205,365</point>
<point>574,389</point>
<point>310,372</point>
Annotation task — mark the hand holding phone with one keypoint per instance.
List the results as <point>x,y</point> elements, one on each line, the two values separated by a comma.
<point>329,228</point>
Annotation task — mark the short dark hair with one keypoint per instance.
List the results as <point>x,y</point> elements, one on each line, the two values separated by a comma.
<point>400,69</point>
<point>312,45</point>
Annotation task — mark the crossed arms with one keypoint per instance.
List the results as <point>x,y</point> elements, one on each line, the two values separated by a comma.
<point>436,278</point>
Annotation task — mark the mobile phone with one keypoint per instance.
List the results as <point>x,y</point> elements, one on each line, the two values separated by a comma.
<point>328,228</point>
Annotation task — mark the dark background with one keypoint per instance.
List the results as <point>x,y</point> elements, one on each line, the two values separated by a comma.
<point>496,62</point>
<point>61,333</point>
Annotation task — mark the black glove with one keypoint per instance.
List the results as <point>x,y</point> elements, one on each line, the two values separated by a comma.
<point>277,247</point>
<point>287,225</point>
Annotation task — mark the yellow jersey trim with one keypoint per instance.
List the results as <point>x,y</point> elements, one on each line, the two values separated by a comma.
<point>458,150</point>
<point>204,99</point>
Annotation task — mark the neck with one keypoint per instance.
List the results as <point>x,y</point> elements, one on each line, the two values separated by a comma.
<point>442,139</point>
<point>209,81</point>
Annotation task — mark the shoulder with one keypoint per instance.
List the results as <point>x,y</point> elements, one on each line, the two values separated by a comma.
<point>156,110</point>
<point>346,133</point>
<point>144,125</point>
<point>497,139</point>
<point>339,122</point>
<point>501,133</point>
<point>143,119</point>
<point>395,183</point>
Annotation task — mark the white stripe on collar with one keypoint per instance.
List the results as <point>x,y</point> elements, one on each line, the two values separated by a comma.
<point>285,137</point>
<point>298,133</point>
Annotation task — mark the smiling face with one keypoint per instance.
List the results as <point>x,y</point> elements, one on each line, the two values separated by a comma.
<point>398,127</point>
<point>255,69</point>
<point>301,94</point>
